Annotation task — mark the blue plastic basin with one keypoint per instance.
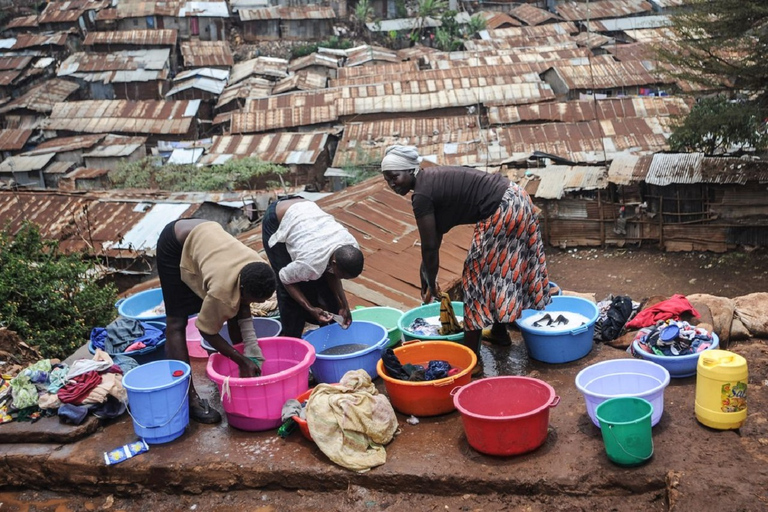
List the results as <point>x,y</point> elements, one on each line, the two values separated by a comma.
<point>677,366</point>
<point>264,327</point>
<point>135,305</point>
<point>331,368</point>
<point>144,355</point>
<point>562,345</point>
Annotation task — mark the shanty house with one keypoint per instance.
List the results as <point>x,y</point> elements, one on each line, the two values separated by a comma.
<point>206,54</point>
<point>25,171</point>
<point>311,22</point>
<point>205,84</point>
<point>317,63</point>
<point>85,179</point>
<point>114,150</point>
<point>13,141</point>
<point>67,149</point>
<point>37,102</point>
<point>56,44</point>
<point>127,75</point>
<point>126,40</point>
<point>71,14</point>
<point>55,171</point>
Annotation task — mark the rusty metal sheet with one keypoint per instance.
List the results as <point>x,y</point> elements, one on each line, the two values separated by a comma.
<point>15,63</point>
<point>608,74</point>
<point>65,144</point>
<point>285,111</point>
<point>372,70</point>
<point>303,81</point>
<point>499,20</point>
<point>724,170</point>
<point>365,54</point>
<point>314,59</point>
<point>303,12</point>
<point>534,33</point>
<point>140,8</point>
<point>595,10</point>
<point>23,22</point>
<point>123,116</point>
<point>83,173</point>
<point>151,37</point>
<point>279,148</point>
<point>32,40</point>
<point>24,163</point>
<point>203,54</point>
<point>69,11</point>
<point>560,40</point>
<point>248,88</point>
<point>270,67</point>
<point>13,140</point>
<point>513,73</point>
<point>531,15</point>
<point>42,97</point>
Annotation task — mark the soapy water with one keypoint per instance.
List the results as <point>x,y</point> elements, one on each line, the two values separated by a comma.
<point>554,320</point>
<point>344,349</point>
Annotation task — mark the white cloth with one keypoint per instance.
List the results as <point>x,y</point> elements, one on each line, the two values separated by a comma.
<point>311,236</point>
<point>400,158</point>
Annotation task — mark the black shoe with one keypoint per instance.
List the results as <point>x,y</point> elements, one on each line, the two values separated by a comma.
<point>560,320</point>
<point>546,318</point>
<point>202,412</point>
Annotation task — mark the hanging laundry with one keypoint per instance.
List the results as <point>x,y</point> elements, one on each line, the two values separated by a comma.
<point>449,324</point>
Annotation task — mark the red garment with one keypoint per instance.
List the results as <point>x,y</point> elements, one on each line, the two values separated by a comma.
<point>78,388</point>
<point>664,310</point>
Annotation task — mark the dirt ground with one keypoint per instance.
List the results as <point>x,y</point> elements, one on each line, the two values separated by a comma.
<point>638,274</point>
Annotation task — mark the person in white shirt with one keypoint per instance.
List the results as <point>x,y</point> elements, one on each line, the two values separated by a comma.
<point>310,253</point>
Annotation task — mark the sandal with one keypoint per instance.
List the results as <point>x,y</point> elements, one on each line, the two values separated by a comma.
<point>546,318</point>
<point>202,412</point>
<point>560,320</point>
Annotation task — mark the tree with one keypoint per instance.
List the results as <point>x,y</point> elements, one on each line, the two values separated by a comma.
<point>362,14</point>
<point>722,43</point>
<point>427,9</point>
<point>234,174</point>
<point>52,300</point>
<point>717,125</point>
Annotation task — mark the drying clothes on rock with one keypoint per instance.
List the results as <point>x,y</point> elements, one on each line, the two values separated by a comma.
<point>23,391</point>
<point>614,313</point>
<point>57,378</point>
<point>111,384</point>
<point>673,339</point>
<point>124,332</point>
<point>554,320</point>
<point>350,422</point>
<point>449,324</point>
<point>48,401</point>
<point>673,307</point>
<point>78,388</point>
<point>72,414</point>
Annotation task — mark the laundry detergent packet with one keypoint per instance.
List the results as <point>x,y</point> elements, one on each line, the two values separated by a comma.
<point>125,452</point>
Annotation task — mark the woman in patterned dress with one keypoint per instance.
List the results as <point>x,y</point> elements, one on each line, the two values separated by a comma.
<point>505,270</point>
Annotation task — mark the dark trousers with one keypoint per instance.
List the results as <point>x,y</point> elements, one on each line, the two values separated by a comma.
<point>318,293</point>
<point>179,298</point>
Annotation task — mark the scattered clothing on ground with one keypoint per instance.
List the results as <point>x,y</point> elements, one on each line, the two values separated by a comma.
<point>671,308</point>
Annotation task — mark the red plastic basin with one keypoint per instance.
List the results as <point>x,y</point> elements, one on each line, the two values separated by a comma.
<point>505,415</point>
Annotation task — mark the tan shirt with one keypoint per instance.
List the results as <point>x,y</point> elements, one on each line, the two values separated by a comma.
<point>211,261</point>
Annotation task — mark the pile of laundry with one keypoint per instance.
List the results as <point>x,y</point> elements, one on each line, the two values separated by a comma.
<point>613,315</point>
<point>673,338</point>
<point>125,335</point>
<point>445,324</point>
<point>49,387</point>
<point>434,370</point>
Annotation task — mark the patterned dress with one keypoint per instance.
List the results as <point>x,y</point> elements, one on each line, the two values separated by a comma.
<point>505,270</point>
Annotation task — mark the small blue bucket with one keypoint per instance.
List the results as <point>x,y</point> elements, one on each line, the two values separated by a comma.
<point>158,399</point>
<point>135,305</point>
<point>331,368</point>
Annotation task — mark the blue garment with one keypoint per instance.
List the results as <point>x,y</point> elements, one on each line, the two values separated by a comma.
<point>151,336</point>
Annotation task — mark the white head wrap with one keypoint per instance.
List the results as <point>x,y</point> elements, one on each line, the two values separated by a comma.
<point>400,158</point>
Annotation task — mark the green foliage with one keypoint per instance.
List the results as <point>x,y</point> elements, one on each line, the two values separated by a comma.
<point>233,175</point>
<point>716,125</point>
<point>334,42</point>
<point>400,10</point>
<point>427,9</point>
<point>476,24</point>
<point>50,299</point>
<point>721,44</point>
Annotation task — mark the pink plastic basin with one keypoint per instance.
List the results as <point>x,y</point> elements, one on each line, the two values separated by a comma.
<point>194,339</point>
<point>256,404</point>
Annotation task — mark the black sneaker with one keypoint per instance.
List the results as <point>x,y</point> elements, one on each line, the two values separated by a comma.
<point>202,412</point>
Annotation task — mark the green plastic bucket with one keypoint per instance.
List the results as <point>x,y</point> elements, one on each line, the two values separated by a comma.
<point>386,317</point>
<point>626,426</point>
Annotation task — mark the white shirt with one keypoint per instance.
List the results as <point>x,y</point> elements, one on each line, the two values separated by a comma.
<point>311,236</point>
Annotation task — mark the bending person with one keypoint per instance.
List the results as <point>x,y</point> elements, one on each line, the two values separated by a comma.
<point>505,270</point>
<point>311,253</point>
<point>205,270</point>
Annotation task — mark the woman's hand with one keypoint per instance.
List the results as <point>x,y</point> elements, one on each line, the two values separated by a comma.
<point>322,316</point>
<point>430,295</point>
<point>346,315</point>
<point>248,368</point>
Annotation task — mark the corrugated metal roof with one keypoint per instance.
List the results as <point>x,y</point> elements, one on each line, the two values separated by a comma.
<point>84,173</point>
<point>216,74</point>
<point>13,62</point>
<point>249,88</point>
<point>32,40</point>
<point>586,110</point>
<point>143,235</point>
<point>204,9</point>
<point>384,226</point>
<point>667,169</point>
<point>531,15</point>
<point>605,74</point>
<point>140,9</point>
<point>23,163</point>
<point>563,40</point>
<point>13,140</point>
<point>372,70</point>
<point>69,11</point>
<point>113,146</point>
<point>314,59</point>
<point>431,95</point>
<point>557,180</point>
<point>364,54</point>
<point>23,22</point>
<point>285,111</point>
<point>65,144</point>
<point>137,37</point>
<point>7,44</point>
<point>602,9</point>
<point>129,60</point>
<point>536,59</point>
<point>260,66</point>
<point>303,12</point>
<point>59,167</point>
<point>302,81</point>
<point>416,52</point>
<point>449,138</point>
<point>537,32</point>
<point>516,73</point>
<point>724,171</point>
<point>586,142</point>
<point>592,40</point>
<point>632,23</point>
<point>498,20</point>
<point>185,156</point>
<point>622,168</point>
<point>653,35</point>
<point>402,24</point>
<point>122,116</point>
<point>204,84</point>
<point>205,54</point>
<point>278,148</point>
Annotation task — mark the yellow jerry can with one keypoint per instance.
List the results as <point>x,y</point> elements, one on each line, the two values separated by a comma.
<point>721,389</point>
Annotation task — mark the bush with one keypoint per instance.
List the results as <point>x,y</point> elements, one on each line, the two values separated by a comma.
<point>50,299</point>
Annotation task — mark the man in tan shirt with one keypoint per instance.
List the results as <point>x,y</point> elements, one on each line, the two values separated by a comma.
<point>204,270</point>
